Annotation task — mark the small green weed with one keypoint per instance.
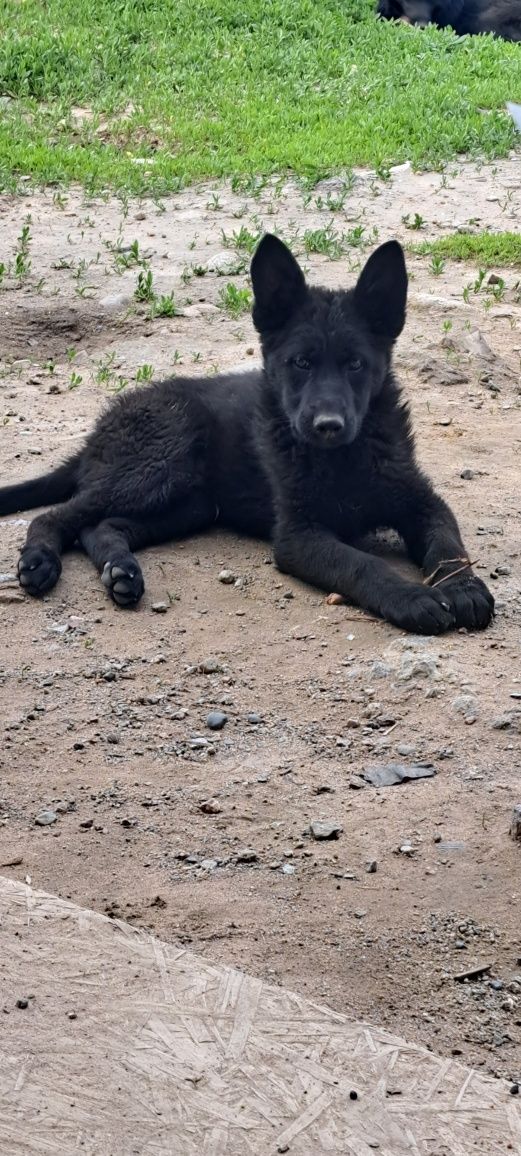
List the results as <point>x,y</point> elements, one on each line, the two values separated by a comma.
<point>235,301</point>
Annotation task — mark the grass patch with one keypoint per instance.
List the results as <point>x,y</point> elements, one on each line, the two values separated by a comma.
<point>485,248</point>
<point>141,95</point>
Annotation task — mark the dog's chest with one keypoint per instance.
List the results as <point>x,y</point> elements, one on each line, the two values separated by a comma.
<point>347,491</point>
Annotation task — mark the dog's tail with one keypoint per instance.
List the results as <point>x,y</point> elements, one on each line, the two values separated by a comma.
<point>56,486</point>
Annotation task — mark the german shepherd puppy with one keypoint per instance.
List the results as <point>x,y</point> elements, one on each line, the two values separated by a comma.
<point>503,17</point>
<point>313,451</point>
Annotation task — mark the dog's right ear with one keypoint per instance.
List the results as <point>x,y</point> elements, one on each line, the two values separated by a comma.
<point>279,285</point>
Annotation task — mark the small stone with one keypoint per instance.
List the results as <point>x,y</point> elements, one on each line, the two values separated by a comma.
<point>22,1004</point>
<point>466,705</point>
<point>288,869</point>
<point>86,824</point>
<point>356,783</point>
<point>353,1095</point>
<point>72,1015</point>
<point>210,807</point>
<point>45,818</point>
<point>253,719</point>
<point>159,607</point>
<point>515,826</point>
<point>321,829</point>
<point>208,864</point>
<point>390,774</point>
<point>407,849</point>
<point>514,1089</point>
<point>247,856</point>
<point>359,914</point>
<point>225,264</point>
<point>114,301</point>
<point>216,720</point>
<point>211,666</point>
<point>468,475</point>
<point>227,577</point>
<point>371,866</point>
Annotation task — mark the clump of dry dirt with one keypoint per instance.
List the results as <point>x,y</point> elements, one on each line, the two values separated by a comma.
<point>203,834</point>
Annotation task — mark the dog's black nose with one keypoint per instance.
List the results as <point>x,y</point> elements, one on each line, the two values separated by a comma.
<point>328,424</point>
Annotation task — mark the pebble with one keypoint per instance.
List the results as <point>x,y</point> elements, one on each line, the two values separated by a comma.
<point>247,856</point>
<point>468,475</point>
<point>407,849</point>
<point>210,666</point>
<point>514,1090</point>
<point>356,783</point>
<point>225,264</point>
<point>159,607</point>
<point>210,807</point>
<point>253,718</point>
<point>115,301</point>
<point>208,864</point>
<point>466,705</point>
<point>390,774</point>
<point>321,829</point>
<point>227,577</point>
<point>216,720</point>
<point>22,1004</point>
<point>45,818</point>
<point>371,866</point>
<point>288,869</point>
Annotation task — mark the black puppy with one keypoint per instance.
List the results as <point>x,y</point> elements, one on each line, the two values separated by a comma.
<point>312,451</point>
<point>503,17</point>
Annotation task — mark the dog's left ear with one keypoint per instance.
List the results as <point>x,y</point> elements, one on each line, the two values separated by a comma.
<point>380,293</point>
<point>279,285</point>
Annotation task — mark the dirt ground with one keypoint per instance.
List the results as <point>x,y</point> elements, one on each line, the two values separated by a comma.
<point>104,710</point>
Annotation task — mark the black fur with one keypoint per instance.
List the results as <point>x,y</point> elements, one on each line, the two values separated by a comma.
<point>313,451</point>
<point>503,17</point>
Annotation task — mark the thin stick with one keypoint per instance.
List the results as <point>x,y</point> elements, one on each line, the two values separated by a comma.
<point>467,564</point>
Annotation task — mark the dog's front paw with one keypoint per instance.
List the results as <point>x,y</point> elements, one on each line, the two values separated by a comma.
<point>471,601</point>
<point>38,569</point>
<point>419,609</point>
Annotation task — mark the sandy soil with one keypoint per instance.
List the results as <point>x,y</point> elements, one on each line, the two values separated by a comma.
<point>104,711</point>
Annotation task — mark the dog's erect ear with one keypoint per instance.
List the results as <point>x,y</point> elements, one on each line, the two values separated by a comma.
<point>279,285</point>
<point>381,291</point>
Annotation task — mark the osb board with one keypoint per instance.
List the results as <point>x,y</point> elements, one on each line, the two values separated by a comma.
<point>171,1056</point>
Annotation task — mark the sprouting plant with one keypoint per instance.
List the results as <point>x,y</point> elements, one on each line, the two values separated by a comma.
<point>214,203</point>
<point>164,306</point>
<point>22,263</point>
<point>144,290</point>
<point>144,373</point>
<point>75,380</point>
<point>437,265</point>
<point>235,301</point>
<point>415,222</point>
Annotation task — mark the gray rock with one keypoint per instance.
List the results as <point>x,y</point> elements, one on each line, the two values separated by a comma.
<point>208,864</point>
<point>288,869</point>
<point>114,301</point>
<point>227,577</point>
<point>159,607</point>
<point>45,818</point>
<point>466,705</point>
<point>468,475</point>
<point>216,720</point>
<point>247,856</point>
<point>322,829</point>
<point>225,264</point>
<point>253,718</point>
<point>371,866</point>
<point>390,774</point>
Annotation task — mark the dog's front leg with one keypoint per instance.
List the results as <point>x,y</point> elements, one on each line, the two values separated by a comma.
<point>432,536</point>
<point>316,556</point>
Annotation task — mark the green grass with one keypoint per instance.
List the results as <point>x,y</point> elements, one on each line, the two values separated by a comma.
<point>178,90</point>
<point>485,248</point>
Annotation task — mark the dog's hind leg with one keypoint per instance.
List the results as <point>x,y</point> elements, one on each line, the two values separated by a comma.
<point>111,543</point>
<point>48,536</point>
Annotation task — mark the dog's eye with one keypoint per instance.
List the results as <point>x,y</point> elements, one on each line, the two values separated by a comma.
<point>354,365</point>
<point>301,363</point>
